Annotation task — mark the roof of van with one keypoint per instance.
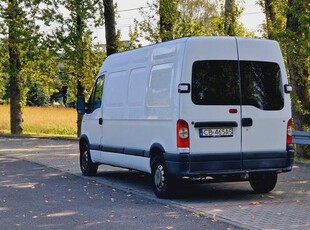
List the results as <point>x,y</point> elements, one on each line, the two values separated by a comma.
<point>119,57</point>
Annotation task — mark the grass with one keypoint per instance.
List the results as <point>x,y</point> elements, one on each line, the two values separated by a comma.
<point>42,121</point>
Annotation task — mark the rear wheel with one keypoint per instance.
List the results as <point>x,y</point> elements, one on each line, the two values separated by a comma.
<point>163,183</point>
<point>88,168</point>
<point>263,182</point>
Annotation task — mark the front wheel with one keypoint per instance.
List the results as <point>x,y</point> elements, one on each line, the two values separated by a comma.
<point>263,182</point>
<point>163,183</point>
<point>88,168</point>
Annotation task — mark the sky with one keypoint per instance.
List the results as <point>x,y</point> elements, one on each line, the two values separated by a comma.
<point>252,17</point>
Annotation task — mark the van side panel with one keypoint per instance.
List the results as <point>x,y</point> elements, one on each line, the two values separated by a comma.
<point>140,105</point>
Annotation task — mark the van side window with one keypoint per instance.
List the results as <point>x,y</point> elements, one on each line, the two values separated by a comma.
<point>159,92</point>
<point>261,85</point>
<point>95,99</point>
<point>215,83</point>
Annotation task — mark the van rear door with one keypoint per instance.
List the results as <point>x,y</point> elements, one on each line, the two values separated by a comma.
<point>264,113</point>
<point>212,108</point>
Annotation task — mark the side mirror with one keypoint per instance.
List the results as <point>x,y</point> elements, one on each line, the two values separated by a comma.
<point>80,105</point>
<point>288,88</point>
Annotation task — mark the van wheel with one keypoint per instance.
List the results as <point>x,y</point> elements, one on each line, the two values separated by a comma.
<point>88,168</point>
<point>163,183</point>
<point>263,182</point>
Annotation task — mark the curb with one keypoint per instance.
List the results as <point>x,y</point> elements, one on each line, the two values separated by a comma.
<point>300,163</point>
<point>25,136</point>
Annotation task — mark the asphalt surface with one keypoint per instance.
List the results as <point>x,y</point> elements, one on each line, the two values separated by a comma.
<point>201,206</point>
<point>35,196</point>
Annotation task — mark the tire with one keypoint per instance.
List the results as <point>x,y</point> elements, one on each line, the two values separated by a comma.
<point>88,168</point>
<point>163,183</point>
<point>263,182</point>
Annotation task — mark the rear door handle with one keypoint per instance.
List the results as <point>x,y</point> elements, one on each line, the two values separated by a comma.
<point>247,122</point>
<point>100,121</point>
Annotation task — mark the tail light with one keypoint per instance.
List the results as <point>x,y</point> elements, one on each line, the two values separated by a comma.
<point>289,132</point>
<point>182,134</point>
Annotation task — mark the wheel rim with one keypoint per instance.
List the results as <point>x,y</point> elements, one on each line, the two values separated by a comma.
<point>159,177</point>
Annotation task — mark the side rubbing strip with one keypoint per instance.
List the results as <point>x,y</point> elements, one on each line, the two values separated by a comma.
<point>120,150</point>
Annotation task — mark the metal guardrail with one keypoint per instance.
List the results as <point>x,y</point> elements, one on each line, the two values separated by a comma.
<point>301,137</point>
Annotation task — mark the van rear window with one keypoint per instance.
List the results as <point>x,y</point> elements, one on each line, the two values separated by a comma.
<point>261,85</point>
<point>217,82</point>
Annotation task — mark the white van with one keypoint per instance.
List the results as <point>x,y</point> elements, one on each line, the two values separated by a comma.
<point>207,107</point>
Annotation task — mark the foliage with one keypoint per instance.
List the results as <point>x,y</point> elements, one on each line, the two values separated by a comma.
<point>18,25</point>
<point>36,96</point>
<point>275,12</point>
<point>31,58</point>
<point>148,28</point>
<point>71,40</point>
<point>66,56</point>
<point>134,41</point>
<point>190,18</point>
<point>297,42</point>
<point>168,16</point>
<point>70,43</point>
<point>198,17</point>
<point>230,24</point>
<point>4,77</point>
<point>288,22</point>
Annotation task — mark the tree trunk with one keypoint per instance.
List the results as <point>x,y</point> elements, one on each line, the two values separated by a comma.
<point>165,24</point>
<point>298,71</point>
<point>80,64</point>
<point>230,18</point>
<point>80,90</point>
<point>166,11</point>
<point>271,18</point>
<point>15,96</point>
<point>110,31</point>
<point>15,68</point>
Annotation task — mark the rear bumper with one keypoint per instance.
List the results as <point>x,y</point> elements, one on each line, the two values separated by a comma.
<point>193,165</point>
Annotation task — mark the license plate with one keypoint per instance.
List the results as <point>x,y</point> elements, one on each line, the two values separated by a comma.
<point>216,132</point>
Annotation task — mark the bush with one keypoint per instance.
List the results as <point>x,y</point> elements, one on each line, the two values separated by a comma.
<point>36,96</point>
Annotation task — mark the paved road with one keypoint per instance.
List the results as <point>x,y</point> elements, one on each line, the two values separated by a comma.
<point>287,207</point>
<point>39,195</point>
<point>33,196</point>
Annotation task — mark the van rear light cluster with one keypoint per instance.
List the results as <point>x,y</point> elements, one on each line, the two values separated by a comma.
<point>182,134</point>
<point>289,133</point>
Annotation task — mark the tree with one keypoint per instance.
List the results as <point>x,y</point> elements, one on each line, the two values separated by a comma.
<point>134,41</point>
<point>4,78</point>
<point>298,49</point>
<point>168,15</point>
<point>73,42</point>
<point>148,28</point>
<point>15,16</point>
<point>288,21</point>
<point>275,17</point>
<point>110,31</point>
<point>188,18</point>
<point>18,25</point>
<point>271,16</point>
<point>198,17</point>
<point>230,17</point>
<point>178,18</point>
